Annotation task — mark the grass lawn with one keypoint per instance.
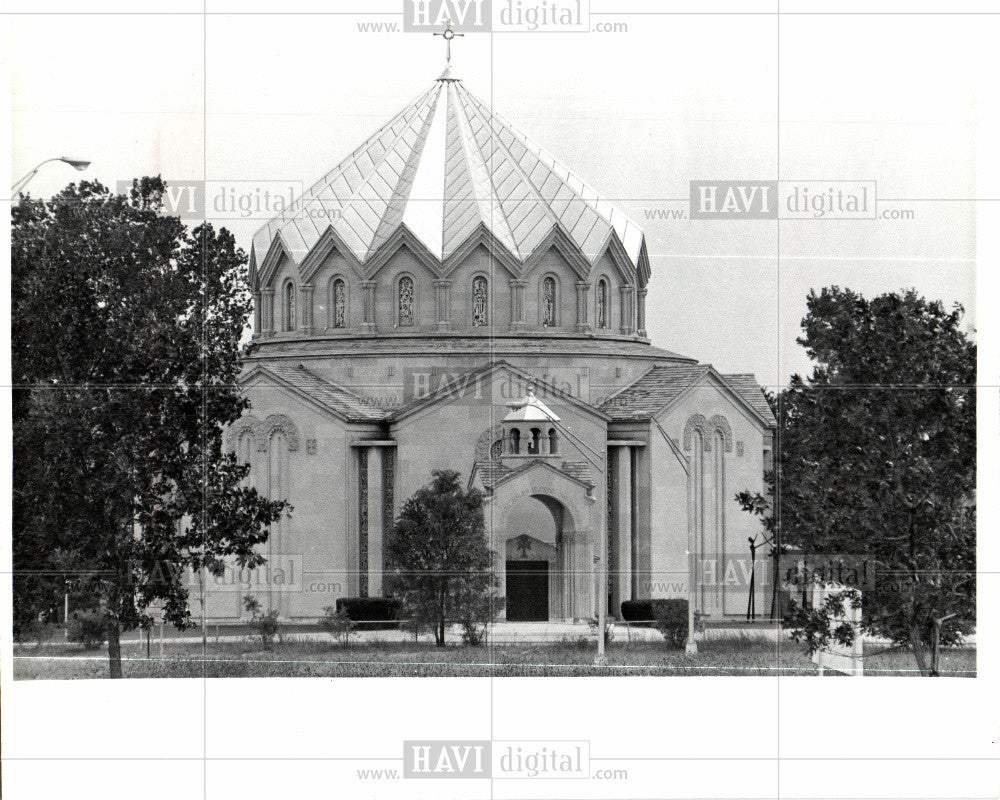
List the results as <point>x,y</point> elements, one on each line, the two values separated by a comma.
<point>297,659</point>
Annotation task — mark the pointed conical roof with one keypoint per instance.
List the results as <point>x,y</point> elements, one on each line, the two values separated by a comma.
<point>443,167</point>
<point>530,409</point>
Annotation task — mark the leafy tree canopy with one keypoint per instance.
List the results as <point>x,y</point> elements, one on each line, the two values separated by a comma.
<point>125,330</point>
<point>877,458</point>
<point>438,556</point>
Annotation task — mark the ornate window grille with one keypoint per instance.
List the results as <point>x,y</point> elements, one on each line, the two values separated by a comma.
<point>602,303</point>
<point>479,301</point>
<point>549,302</point>
<point>406,300</point>
<point>339,303</point>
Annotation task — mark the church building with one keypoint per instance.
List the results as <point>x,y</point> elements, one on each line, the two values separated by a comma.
<point>450,296</point>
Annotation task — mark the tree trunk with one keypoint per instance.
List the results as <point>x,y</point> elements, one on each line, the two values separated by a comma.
<point>439,633</point>
<point>114,647</point>
<point>936,649</point>
<point>919,652</point>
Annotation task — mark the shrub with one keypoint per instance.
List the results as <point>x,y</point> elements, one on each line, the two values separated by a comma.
<point>370,613</point>
<point>473,633</point>
<point>338,624</point>
<point>31,629</point>
<point>638,611</point>
<point>89,627</point>
<point>266,626</point>
<point>671,617</point>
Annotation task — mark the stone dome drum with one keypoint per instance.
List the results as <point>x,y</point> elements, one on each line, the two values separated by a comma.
<point>446,240</point>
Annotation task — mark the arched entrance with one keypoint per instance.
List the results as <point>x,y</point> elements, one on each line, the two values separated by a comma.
<point>533,556</point>
<point>541,531</point>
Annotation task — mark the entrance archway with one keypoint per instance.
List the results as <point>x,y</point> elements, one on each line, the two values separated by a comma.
<point>533,573</point>
<point>541,529</point>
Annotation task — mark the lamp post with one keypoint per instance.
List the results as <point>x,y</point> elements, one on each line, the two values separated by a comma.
<point>77,164</point>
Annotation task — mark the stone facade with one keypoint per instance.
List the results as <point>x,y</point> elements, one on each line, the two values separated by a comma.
<point>394,337</point>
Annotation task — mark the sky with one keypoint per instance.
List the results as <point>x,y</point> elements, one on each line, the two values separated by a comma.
<point>273,99</point>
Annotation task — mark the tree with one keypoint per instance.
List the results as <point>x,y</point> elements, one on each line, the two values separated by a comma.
<point>438,558</point>
<point>877,460</point>
<point>125,353</point>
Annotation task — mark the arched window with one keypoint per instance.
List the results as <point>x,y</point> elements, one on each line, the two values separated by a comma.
<point>553,441</point>
<point>549,302</point>
<point>496,450</point>
<point>536,436</point>
<point>244,450</point>
<point>480,298</point>
<point>338,303</point>
<point>515,441</point>
<point>405,311</point>
<point>288,307</point>
<point>603,316</point>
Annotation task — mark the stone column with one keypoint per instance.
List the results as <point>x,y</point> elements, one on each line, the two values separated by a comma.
<point>641,311</point>
<point>443,305</point>
<point>582,317</point>
<point>621,510</point>
<point>626,309</point>
<point>517,304</point>
<point>565,561</point>
<point>257,310</point>
<point>268,309</point>
<point>306,298</point>
<point>368,306</point>
<point>375,526</point>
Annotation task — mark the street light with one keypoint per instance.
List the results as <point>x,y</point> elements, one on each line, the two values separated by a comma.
<point>76,163</point>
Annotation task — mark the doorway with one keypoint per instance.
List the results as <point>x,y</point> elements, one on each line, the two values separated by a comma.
<point>527,591</point>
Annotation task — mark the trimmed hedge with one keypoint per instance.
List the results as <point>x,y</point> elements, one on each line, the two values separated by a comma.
<point>371,613</point>
<point>667,615</point>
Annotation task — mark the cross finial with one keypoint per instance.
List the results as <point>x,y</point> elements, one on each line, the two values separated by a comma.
<point>448,35</point>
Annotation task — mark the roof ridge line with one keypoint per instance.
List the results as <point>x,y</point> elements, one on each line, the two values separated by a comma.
<point>516,165</point>
<point>494,201</point>
<point>545,157</point>
<point>341,165</point>
<point>421,142</point>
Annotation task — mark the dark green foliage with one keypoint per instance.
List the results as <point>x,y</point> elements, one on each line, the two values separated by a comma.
<point>88,627</point>
<point>439,563</point>
<point>371,613</point>
<point>819,628</point>
<point>877,460</point>
<point>266,626</point>
<point>672,620</point>
<point>125,354</point>
<point>668,615</point>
